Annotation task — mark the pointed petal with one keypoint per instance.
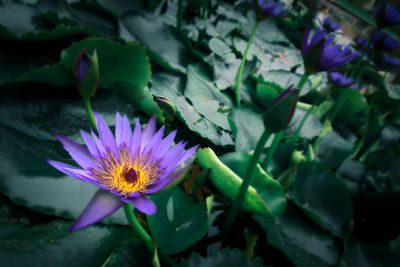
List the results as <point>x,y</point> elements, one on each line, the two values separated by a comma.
<point>148,131</point>
<point>187,154</point>
<point>98,143</point>
<point>136,140</point>
<point>118,129</point>
<point>145,205</point>
<point>91,145</point>
<point>78,152</point>
<point>100,206</point>
<point>165,145</point>
<point>126,132</point>
<point>106,135</point>
<point>75,172</point>
<point>154,141</point>
<point>169,180</point>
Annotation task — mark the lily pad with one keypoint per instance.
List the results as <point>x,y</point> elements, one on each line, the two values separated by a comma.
<point>179,221</point>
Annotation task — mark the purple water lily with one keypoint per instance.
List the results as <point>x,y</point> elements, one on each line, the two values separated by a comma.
<point>330,25</point>
<point>125,168</point>
<point>268,8</point>
<point>320,54</point>
<point>384,42</point>
<point>339,79</point>
<point>387,14</point>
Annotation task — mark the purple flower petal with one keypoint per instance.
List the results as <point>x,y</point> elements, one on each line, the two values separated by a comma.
<point>98,143</point>
<point>91,145</point>
<point>168,180</point>
<point>154,141</point>
<point>187,154</point>
<point>136,139</point>
<point>72,171</point>
<point>145,205</point>
<point>148,131</point>
<point>106,135</point>
<point>100,206</point>
<point>78,152</point>
<point>118,129</point>
<point>165,144</point>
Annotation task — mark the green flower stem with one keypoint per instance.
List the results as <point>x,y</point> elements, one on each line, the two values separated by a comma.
<point>301,125</point>
<point>180,15</point>
<point>338,105</point>
<point>130,215</point>
<point>271,150</point>
<point>141,233</point>
<point>234,210</point>
<point>89,111</point>
<point>241,68</point>
<point>300,86</point>
<point>302,81</point>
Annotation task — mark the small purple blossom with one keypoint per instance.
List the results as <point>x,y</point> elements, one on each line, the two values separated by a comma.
<point>320,54</point>
<point>339,79</point>
<point>384,42</point>
<point>125,168</point>
<point>387,14</point>
<point>391,61</point>
<point>330,25</point>
<point>361,42</point>
<point>268,8</point>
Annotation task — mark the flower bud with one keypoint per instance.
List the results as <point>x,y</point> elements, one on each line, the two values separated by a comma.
<point>280,112</point>
<point>168,107</point>
<point>86,72</point>
<point>297,157</point>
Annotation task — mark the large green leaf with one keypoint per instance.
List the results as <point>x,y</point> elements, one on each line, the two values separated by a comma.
<point>312,127</point>
<point>125,68</point>
<point>302,241</point>
<point>323,196</point>
<point>285,79</point>
<point>26,178</point>
<point>354,105</point>
<point>224,72</point>
<point>247,127</point>
<point>224,257</point>
<point>179,221</point>
<point>333,149</point>
<point>206,98</point>
<point>16,19</point>
<point>56,75</point>
<point>268,189</point>
<point>220,48</point>
<point>171,86</point>
<point>52,245</point>
<point>165,48</point>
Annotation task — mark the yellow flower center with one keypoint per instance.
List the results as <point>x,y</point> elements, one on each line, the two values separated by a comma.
<point>127,175</point>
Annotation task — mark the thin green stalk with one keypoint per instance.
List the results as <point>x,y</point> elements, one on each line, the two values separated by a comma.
<point>241,68</point>
<point>302,122</point>
<point>271,150</point>
<point>89,111</point>
<point>180,15</point>
<point>232,213</point>
<point>338,106</point>
<point>141,233</point>
<point>300,86</point>
<point>302,81</point>
<point>135,224</point>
